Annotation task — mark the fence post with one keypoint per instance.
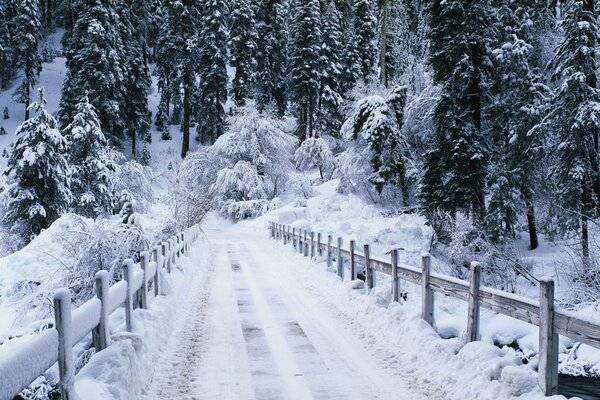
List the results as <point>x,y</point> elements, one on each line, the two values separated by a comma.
<point>174,249</point>
<point>289,233</point>
<point>352,263</point>
<point>182,245</point>
<point>165,259</point>
<point>395,280</point>
<point>305,243</point>
<point>101,334</point>
<point>294,238</point>
<point>155,253</point>
<point>300,242</point>
<point>427,307</point>
<point>369,273</point>
<point>128,276</point>
<point>66,365</point>
<point>548,364</point>
<point>319,251</point>
<point>272,230</point>
<point>340,262</point>
<point>144,264</point>
<point>329,255</point>
<point>473,318</point>
<point>312,245</point>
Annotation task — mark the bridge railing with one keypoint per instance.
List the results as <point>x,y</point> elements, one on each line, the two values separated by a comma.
<point>22,363</point>
<point>544,313</point>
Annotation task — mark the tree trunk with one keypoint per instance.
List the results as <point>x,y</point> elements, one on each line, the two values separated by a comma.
<point>531,224</point>
<point>133,137</point>
<point>49,14</point>
<point>585,206</point>
<point>383,50</point>
<point>186,113</point>
<point>27,100</point>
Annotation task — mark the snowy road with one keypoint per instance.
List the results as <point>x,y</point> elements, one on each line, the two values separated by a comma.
<point>250,330</point>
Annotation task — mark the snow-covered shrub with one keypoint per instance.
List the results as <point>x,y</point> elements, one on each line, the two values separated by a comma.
<point>134,178</point>
<point>248,165</point>
<point>375,147</point>
<point>301,186</point>
<point>314,153</point>
<point>126,207</point>
<point>9,242</point>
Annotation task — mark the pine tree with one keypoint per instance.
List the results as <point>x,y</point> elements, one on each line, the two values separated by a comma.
<point>27,39</point>
<point>519,101</point>
<point>349,59</point>
<point>7,53</point>
<point>91,163</point>
<point>38,174</point>
<point>305,63</point>
<point>271,56</point>
<point>212,71</point>
<point>365,25</point>
<point>455,174</point>
<point>242,47</point>
<point>96,67</point>
<point>330,116</point>
<point>573,117</point>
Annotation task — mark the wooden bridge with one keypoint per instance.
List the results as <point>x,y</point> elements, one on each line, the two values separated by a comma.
<point>551,320</point>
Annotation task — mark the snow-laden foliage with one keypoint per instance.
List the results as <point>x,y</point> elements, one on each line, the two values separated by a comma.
<point>375,152</point>
<point>38,189</point>
<point>135,179</point>
<point>314,153</point>
<point>92,163</point>
<point>301,186</point>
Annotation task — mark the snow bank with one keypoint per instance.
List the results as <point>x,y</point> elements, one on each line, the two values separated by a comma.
<point>125,369</point>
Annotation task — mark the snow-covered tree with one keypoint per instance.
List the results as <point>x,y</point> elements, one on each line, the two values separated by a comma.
<point>365,25</point>
<point>376,152</point>
<point>574,118</point>
<point>305,67</point>
<point>212,72</point>
<point>242,47</point>
<point>314,153</point>
<point>38,174</point>
<point>91,161</point>
<point>28,36</point>
<point>271,56</point>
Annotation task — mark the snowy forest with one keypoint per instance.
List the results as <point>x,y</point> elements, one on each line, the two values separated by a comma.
<point>475,123</point>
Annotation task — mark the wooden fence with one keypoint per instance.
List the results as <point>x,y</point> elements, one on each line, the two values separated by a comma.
<point>22,363</point>
<point>551,320</point>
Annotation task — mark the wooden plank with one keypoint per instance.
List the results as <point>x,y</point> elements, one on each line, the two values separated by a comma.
<point>578,328</point>
<point>101,333</point>
<point>128,277</point>
<point>329,252</point>
<point>369,271</point>
<point>473,317</point>
<point>312,245</point>
<point>548,364</point>
<point>66,364</point>
<point>319,249</point>
<point>449,286</point>
<point>144,263</point>
<point>518,307</point>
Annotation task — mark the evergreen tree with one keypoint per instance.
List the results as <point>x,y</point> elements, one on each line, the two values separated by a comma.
<point>242,47</point>
<point>7,53</point>
<point>271,56</point>
<point>573,117</point>
<point>349,59</point>
<point>212,71</point>
<point>38,174</point>
<point>27,38</point>
<point>96,67</point>
<point>91,163</point>
<point>305,65</point>
<point>365,25</point>
<point>455,167</point>
<point>330,116</point>
<point>519,100</point>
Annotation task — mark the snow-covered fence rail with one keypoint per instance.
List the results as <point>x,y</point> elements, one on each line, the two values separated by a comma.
<point>22,363</point>
<point>551,320</point>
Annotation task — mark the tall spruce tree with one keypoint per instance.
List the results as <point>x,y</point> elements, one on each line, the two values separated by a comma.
<point>519,100</point>
<point>573,117</point>
<point>271,56</point>
<point>38,174</point>
<point>96,66</point>
<point>212,71</point>
<point>92,165</point>
<point>242,47</point>
<point>455,167</point>
<point>330,118</point>
<point>27,38</point>
<point>365,25</point>
<point>7,51</point>
<point>305,68</point>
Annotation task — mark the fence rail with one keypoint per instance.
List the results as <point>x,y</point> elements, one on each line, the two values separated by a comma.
<point>22,363</point>
<point>551,320</point>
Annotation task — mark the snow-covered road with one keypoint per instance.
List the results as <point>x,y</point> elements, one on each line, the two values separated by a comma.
<point>252,330</point>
